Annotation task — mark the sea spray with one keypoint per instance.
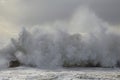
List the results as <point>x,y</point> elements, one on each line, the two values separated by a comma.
<point>60,48</point>
<point>7,55</point>
<point>88,42</point>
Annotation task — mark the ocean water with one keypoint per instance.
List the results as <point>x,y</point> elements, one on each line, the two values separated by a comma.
<point>27,73</point>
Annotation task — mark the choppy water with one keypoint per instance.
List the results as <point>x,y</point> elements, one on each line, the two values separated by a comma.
<point>26,73</point>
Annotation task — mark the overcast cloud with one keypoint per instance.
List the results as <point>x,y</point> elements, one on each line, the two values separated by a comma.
<point>15,14</point>
<point>32,12</point>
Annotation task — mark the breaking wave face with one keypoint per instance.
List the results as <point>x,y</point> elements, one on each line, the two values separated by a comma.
<point>48,48</point>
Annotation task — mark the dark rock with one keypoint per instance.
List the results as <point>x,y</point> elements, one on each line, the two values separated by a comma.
<point>14,63</point>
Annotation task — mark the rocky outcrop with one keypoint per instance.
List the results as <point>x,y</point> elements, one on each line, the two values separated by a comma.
<point>14,63</point>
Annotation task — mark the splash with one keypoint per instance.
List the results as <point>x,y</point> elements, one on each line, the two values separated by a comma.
<point>87,43</point>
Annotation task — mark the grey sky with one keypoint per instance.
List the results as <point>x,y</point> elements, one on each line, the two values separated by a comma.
<point>15,14</point>
<point>109,10</point>
<point>32,12</point>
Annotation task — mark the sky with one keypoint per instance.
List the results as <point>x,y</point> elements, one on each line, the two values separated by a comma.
<point>15,14</point>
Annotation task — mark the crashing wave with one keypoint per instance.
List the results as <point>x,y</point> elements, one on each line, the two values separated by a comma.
<point>68,50</point>
<point>58,48</point>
